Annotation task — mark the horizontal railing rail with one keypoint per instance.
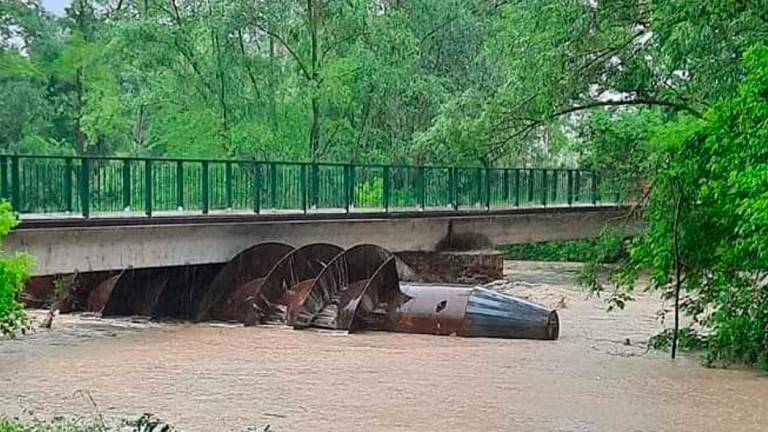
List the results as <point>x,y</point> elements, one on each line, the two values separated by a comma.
<point>89,186</point>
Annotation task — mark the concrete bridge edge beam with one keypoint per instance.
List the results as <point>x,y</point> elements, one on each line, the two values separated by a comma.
<point>99,248</point>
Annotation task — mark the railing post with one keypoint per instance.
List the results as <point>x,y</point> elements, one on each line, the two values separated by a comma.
<point>4,177</point>
<point>422,188</point>
<point>505,187</point>
<point>314,185</point>
<point>544,187</point>
<point>530,186</point>
<point>577,186</point>
<point>517,187</point>
<point>555,173</point>
<point>148,187</point>
<point>126,184</point>
<point>68,185</point>
<point>487,188</point>
<point>204,183</point>
<point>347,191</point>
<point>478,187</point>
<point>454,196</point>
<point>85,186</point>
<point>303,187</point>
<point>180,185</point>
<point>257,187</point>
<point>570,187</point>
<point>15,186</point>
<point>273,185</point>
<point>594,187</point>
<point>228,183</point>
<point>352,186</point>
<point>385,192</point>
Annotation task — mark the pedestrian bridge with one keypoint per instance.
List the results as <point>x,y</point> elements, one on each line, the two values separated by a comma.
<point>99,214</point>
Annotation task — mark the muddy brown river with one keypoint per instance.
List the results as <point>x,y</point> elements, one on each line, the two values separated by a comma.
<point>206,377</point>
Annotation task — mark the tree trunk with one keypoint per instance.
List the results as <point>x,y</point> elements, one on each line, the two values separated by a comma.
<point>314,131</point>
<point>222,96</point>
<point>272,87</point>
<point>676,247</point>
<point>80,136</point>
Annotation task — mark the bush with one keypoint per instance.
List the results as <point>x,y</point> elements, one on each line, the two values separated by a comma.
<point>14,272</point>
<point>370,193</point>
<point>58,424</point>
<point>610,247</point>
<point>94,423</point>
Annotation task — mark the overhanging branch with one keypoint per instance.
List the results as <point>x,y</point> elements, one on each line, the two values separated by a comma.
<point>632,102</point>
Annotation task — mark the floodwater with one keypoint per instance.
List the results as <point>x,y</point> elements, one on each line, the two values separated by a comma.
<point>208,377</point>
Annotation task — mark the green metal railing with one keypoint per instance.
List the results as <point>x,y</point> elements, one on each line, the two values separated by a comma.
<point>118,185</point>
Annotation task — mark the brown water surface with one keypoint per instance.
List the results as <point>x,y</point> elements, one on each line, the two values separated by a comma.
<point>208,377</point>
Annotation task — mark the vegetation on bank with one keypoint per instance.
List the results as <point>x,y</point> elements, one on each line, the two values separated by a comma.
<point>612,250</point>
<point>14,272</point>
<point>58,424</point>
<point>145,423</point>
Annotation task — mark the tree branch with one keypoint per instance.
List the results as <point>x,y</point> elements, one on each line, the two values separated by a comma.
<point>291,51</point>
<point>246,64</point>
<point>338,43</point>
<point>644,101</point>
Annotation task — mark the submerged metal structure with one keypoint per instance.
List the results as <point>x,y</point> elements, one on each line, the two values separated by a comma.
<point>229,295</point>
<point>321,285</point>
<point>471,312</point>
<point>292,274</point>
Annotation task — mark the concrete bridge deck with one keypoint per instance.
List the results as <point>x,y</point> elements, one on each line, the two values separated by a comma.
<point>131,217</point>
<point>65,245</point>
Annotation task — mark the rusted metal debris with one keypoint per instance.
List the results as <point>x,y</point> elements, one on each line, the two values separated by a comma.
<point>136,292</point>
<point>370,305</point>
<point>350,271</point>
<point>295,271</point>
<point>100,295</point>
<point>471,312</point>
<point>228,297</point>
<point>322,285</point>
<point>166,292</point>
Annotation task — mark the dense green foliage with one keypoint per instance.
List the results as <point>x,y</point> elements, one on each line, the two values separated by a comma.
<point>275,79</point>
<point>706,239</point>
<point>612,250</point>
<point>441,81</point>
<point>14,271</point>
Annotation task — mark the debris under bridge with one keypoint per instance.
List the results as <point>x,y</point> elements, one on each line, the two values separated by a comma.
<point>324,286</point>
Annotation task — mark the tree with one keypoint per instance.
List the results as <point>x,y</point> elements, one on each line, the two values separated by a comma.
<point>322,79</point>
<point>562,59</point>
<point>706,235</point>
<point>26,116</point>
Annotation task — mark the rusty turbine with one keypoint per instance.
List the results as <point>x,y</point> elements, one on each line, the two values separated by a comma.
<point>321,285</point>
